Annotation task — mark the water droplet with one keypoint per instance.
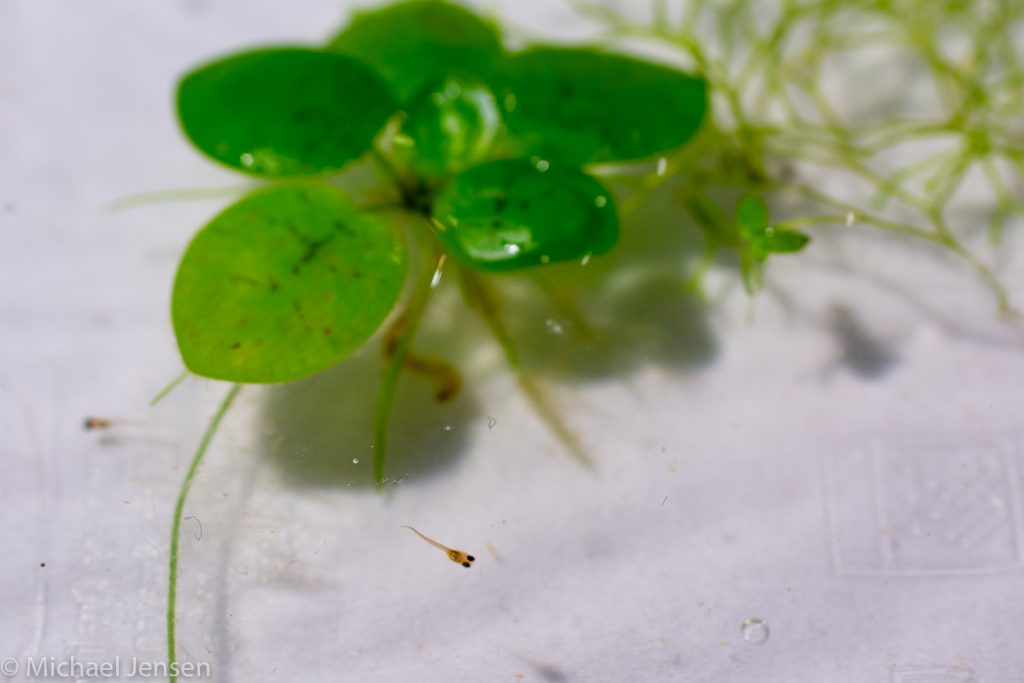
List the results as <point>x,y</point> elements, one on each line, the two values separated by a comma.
<point>247,160</point>
<point>355,461</point>
<point>754,631</point>
<point>554,327</point>
<point>662,166</point>
<point>542,165</point>
<point>600,201</point>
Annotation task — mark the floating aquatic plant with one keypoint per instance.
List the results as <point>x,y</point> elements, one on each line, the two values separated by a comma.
<point>507,160</point>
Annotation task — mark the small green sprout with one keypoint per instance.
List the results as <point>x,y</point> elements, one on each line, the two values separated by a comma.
<point>760,238</point>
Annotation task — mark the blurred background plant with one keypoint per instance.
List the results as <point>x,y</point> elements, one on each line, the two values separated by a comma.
<point>940,110</point>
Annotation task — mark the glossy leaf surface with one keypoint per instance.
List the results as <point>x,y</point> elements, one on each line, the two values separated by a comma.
<point>284,111</point>
<point>512,214</point>
<point>283,284</point>
<point>450,125</point>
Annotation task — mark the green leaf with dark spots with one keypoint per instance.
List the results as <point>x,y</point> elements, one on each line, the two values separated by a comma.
<point>585,106</point>
<point>412,44</point>
<point>283,284</point>
<point>511,214</point>
<point>284,111</point>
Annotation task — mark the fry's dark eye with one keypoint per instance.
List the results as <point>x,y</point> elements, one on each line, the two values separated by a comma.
<point>465,564</point>
<point>470,558</point>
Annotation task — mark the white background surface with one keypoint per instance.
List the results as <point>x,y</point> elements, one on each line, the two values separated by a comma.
<point>747,464</point>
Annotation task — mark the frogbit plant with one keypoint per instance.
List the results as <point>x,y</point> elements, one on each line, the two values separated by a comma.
<point>487,150</point>
<point>497,161</point>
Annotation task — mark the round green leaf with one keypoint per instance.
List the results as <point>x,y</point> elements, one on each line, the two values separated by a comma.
<point>512,214</point>
<point>283,284</point>
<point>284,111</point>
<point>584,106</point>
<point>412,44</point>
<point>450,125</point>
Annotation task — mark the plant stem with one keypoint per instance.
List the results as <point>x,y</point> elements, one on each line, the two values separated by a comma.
<point>179,507</point>
<point>391,172</point>
<point>169,388</point>
<point>397,346</point>
<point>182,194</point>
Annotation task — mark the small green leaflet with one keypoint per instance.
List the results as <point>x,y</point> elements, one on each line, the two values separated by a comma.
<point>284,111</point>
<point>450,125</point>
<point>517,213</point>
<point>761,239</point>
<point>284,283</point>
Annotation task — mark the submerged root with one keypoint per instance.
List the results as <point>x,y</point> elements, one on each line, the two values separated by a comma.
<point>443,375</point>
<point>487,304</point>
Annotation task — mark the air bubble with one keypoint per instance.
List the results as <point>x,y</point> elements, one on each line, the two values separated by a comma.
<point>512,249</point>
<point>554,327</point>
<point>355,461</point>
<point>542,165</point>
<point>247,160</point>
<point>452,90</point>
<point>600,201</point>
<point>754,631</point>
